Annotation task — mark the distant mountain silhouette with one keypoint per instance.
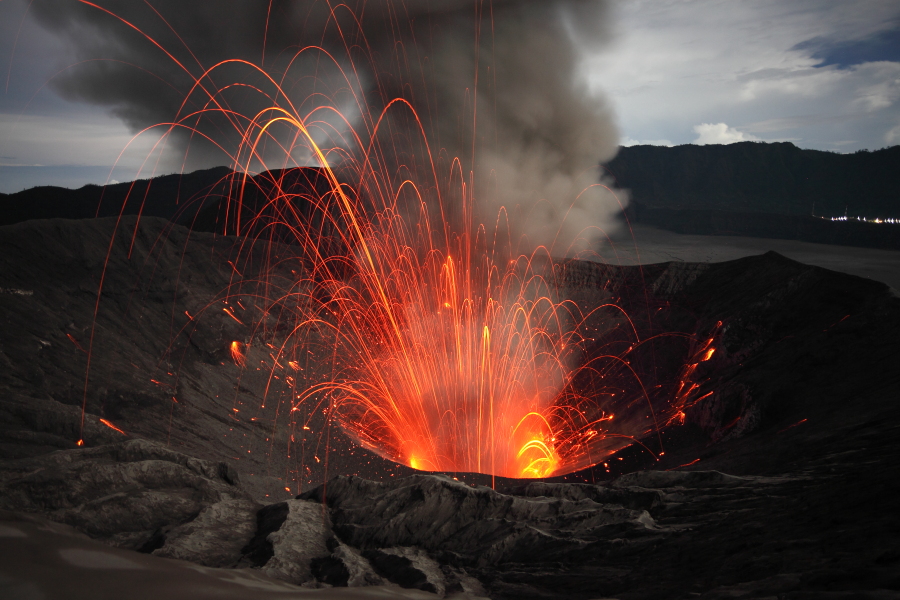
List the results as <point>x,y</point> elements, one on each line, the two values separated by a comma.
<point>174,197</point>
<point>281,196</point>
<point>204,200</point>
<point>775,178</point>
<point>763,190</point>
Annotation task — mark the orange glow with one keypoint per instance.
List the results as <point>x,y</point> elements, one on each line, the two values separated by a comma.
<point>111,426</point>
<point>446,356</point>
<point>444,345</point>
<point>237,354</point>
<point>230,313</point>
<point>800,422</point>
<point>74,341</point>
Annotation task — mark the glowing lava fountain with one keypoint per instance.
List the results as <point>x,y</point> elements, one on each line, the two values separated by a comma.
<point>452,362</point>
<point>449,352</point>
<point>446,347</point>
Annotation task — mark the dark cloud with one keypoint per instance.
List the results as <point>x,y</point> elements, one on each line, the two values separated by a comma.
<point>499,79</point>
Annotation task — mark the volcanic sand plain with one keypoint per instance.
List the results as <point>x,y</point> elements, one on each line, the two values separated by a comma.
<point>645,244</point>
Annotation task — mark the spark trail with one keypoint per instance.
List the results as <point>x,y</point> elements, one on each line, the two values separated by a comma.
<point>429,295</point>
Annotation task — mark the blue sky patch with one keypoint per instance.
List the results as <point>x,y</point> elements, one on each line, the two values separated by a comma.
<point>881,46</point>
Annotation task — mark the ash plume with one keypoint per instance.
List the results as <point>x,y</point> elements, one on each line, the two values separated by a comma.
<point>495,84</point>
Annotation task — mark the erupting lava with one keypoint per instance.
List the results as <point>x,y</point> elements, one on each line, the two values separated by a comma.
<point>451,362</point>
<point>447,348</point>
<point>448,354</point>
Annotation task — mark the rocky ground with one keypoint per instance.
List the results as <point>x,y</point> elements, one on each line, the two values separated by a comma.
<point>784,484</point>
<point>151,356</point>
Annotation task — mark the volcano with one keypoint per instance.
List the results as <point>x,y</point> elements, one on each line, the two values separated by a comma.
<point>778,481</point>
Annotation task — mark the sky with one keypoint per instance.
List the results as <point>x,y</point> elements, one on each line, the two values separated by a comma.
<point>822,75</point>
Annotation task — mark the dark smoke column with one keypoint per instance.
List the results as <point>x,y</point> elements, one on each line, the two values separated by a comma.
<point>496,84</point>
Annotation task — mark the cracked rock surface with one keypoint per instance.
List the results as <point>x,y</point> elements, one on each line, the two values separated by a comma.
<point>705,534</point>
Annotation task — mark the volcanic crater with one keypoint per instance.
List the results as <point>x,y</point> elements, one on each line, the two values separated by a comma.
<point>778,479</point>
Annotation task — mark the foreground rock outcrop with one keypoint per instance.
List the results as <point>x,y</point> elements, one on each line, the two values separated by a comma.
<point>703,533</point>
<point>140,496</point>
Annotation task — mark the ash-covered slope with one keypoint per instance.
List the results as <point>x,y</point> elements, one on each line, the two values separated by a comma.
<point>792,343</point>
<point>159,337</point>
<point>137,495</point>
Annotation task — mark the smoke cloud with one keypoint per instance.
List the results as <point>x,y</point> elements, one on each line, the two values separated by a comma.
<point>496,84</point>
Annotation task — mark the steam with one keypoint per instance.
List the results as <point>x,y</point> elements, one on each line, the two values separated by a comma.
<point>529,135</point>
<point>550,133</point>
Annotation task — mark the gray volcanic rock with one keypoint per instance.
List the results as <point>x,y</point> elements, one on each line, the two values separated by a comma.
<point>303,536</point>
<point>640,536</point>
<point>412,567</point>
<point>433,533</point>
<point>215,537</point>
<point>346,567</point>
<point>131,494</point>
<point>409,566</point>
<point>478,524</point>
<point>42,560</point>
<point>629,497</point>
<point>669,479</point>
<point>702,532</point>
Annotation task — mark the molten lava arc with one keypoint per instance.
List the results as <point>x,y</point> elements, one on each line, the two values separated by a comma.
<point>416,322</point>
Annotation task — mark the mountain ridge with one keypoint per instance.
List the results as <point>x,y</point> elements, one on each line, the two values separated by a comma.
<point>777,178</point>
